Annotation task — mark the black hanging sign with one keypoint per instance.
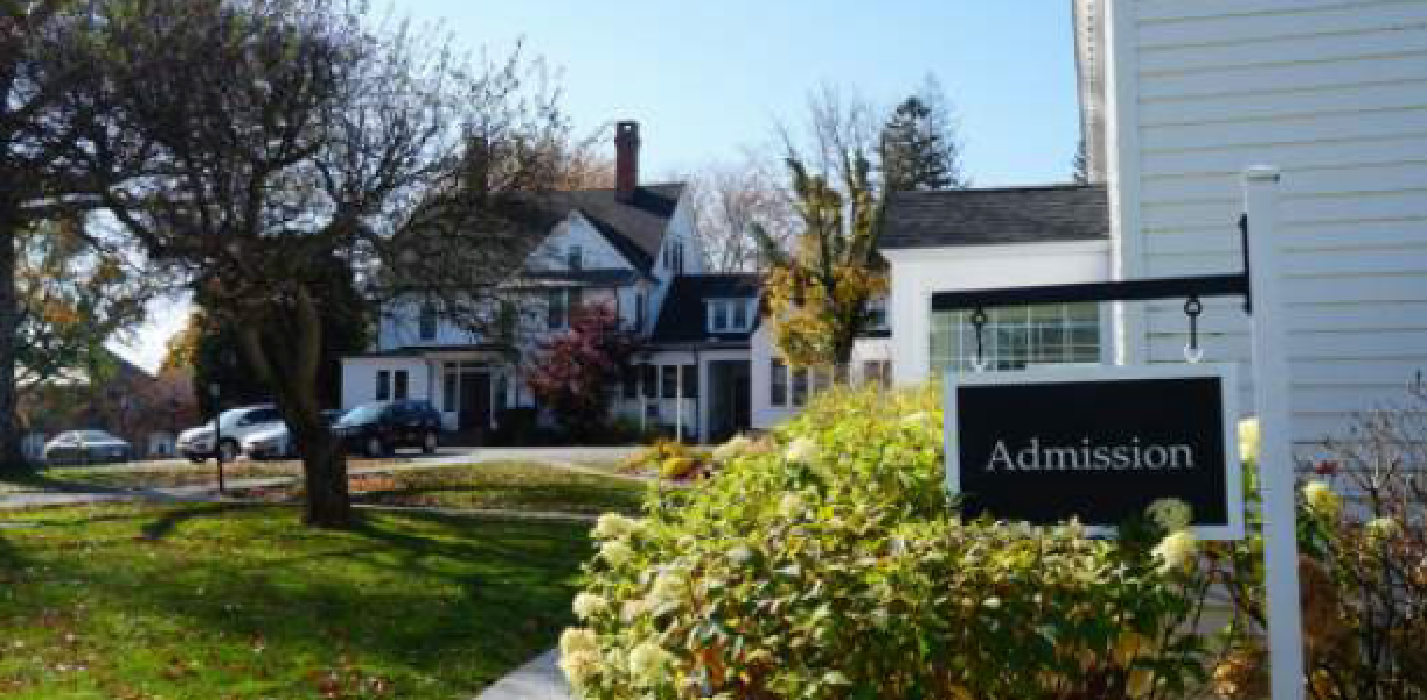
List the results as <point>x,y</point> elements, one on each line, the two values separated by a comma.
<point>1097,443</point>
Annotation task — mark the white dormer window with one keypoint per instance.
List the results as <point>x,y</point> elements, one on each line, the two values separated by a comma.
<point>674,256</point>
<point>877,314</point>
<point>728,315</point>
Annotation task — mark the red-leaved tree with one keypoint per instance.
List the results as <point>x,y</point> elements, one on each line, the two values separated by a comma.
<point>575,371</point>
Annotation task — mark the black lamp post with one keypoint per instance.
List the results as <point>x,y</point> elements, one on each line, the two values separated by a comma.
<point>215,392</point>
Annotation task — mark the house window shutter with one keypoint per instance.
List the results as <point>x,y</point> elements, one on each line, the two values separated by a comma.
<point>691,381</point>
<point>778,383</point>
<point>427,321</point>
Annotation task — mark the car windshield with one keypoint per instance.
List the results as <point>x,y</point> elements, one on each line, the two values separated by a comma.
<point>96,436</point>
<point>364,413</point>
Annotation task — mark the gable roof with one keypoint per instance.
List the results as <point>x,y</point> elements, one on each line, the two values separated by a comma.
<point>635,228</point>
<point>996,216</point>
<point>684,315</point>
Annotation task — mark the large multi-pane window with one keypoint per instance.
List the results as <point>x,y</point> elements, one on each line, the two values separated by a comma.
<point>1018,337</point>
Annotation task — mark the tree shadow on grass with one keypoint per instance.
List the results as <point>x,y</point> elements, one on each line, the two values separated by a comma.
<point>430,596</point>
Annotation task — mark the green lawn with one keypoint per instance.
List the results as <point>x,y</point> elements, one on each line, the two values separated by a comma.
<point>216,602</point>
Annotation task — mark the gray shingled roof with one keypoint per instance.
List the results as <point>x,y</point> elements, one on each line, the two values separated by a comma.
<point>636,228</point>
<point>995,216</point>
<point>683,318</point>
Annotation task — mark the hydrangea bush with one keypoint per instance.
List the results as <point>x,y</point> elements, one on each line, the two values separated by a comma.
<point>826,561</point>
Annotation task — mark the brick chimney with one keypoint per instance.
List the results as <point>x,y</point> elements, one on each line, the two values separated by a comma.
<point>626,159</point>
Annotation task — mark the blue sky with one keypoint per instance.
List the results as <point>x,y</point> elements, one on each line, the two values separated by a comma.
<point>707,80</point>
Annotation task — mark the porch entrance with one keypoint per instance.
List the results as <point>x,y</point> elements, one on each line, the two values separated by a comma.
<point>467,393</point>
<point>730,396</point>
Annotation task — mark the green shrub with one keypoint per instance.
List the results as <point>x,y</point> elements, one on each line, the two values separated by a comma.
<point>826,562</point>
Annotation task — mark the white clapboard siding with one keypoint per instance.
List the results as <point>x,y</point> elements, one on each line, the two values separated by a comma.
<point>1333,92</point>
<point>1217,159</point>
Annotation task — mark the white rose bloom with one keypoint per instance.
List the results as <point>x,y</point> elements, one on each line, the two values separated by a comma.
<point>1176,551</point>
<point>588,605</point>
<point>802,451</point>
<point>1171,513</point>
<point>648,663</point>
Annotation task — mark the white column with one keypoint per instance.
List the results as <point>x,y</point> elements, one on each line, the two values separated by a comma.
<point>679,401</point>
<point>1271,387</point>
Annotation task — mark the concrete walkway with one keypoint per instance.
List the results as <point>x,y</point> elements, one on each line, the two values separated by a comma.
<point>560,458</point>
<point>541,679</point>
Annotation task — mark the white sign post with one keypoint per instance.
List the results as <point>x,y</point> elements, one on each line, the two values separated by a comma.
<point>1276,471</point>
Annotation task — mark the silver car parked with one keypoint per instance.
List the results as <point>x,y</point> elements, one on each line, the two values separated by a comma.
<point>86,447</point>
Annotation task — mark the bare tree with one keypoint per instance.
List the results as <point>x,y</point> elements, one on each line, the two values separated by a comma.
<point>293,135</point>
<point>729,201</point>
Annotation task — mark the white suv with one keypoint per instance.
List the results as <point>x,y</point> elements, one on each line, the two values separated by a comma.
<point>236,423</point>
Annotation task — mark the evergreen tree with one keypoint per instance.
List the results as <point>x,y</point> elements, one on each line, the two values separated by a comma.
<point>918,145</point>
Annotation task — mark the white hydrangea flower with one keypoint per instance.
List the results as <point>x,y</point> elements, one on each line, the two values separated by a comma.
<point>632,609</point>
<point>588,605</point>
<point>1170,513</point>
<point>732,449</point>
<point>578,639</point>
<point>1320,498</point>
<point>613,526</point>
<point>669,586</point>
<point>740,555</point>
<point>802,451</point>
<point>617,552</point>
<point>918,419</point>
<point>1383,528</point>
<point>647,663</point>
<point>1249,439</point>
<point>792,506</point>
<point>1176,551</point>
<point>580,667</point>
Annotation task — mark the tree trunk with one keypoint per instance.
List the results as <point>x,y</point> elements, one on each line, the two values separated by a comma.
<point>293,378</point>
<point>12,456</point>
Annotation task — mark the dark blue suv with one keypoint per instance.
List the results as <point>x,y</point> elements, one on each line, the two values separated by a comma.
<point>377,429</point>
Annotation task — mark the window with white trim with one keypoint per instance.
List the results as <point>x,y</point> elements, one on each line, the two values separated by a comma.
<point>728,315</point>
<point>1018,337</point>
